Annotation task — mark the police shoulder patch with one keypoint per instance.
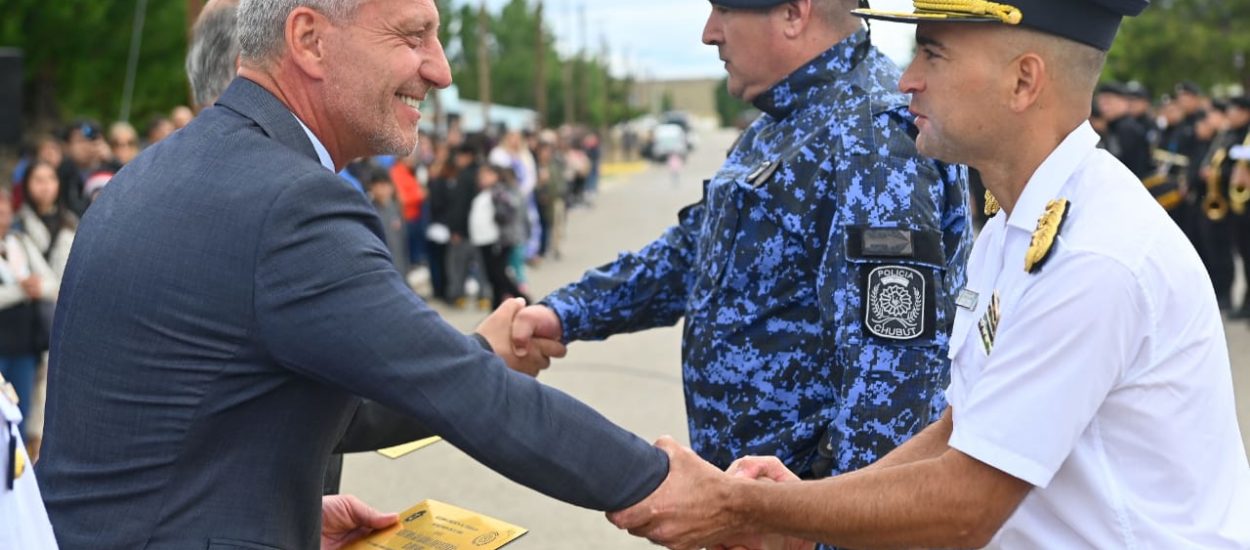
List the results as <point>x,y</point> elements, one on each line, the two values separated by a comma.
<point>897,302</point>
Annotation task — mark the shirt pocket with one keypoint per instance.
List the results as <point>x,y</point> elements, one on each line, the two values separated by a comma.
<point>754,261</point>
<point>717,237</point>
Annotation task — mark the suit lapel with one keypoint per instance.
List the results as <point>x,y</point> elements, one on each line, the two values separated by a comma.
<point>254,102</point>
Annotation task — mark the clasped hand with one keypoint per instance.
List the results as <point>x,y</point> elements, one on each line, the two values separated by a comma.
<point>695,507</point>
<point>532,352</point>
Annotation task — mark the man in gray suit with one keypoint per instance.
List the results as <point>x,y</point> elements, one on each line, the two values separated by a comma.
<point>212,61</point>
<point>228,296</point>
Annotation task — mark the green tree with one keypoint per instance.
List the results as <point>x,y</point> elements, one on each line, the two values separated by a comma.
<point>1207,41</point>
<point>728,107</point>
<point>75,58</point>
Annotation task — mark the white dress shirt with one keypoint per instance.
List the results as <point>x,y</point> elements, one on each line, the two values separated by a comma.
<point>1107,385</point>
<point>23,520</point>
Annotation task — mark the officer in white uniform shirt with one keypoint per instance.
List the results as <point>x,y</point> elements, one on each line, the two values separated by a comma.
<point>23,521</point>
<point>1091,398</point>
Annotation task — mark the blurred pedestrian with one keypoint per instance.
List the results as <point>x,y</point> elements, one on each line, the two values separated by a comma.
<point>492,217</point>
<point>181,116</point>
<point>26,281</point>
<point>158,128</point>
<point>436,211</point>
<point>82,158</point>
<point>50,228</point>
<point>382,193</point>
<point>123,142</point>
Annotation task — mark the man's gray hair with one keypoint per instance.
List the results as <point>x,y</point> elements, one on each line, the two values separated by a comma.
<point>263,22</point>
<point>211,57</point>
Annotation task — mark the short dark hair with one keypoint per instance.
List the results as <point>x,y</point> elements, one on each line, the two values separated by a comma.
<point>379,175</point>
<point>88,129</point>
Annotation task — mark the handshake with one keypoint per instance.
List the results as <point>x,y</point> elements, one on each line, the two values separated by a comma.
<point>695,505</point>
<point>525,337</point>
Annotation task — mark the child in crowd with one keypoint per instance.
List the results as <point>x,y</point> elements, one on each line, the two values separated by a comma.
<point>382,192</point>
<point>494,210</point>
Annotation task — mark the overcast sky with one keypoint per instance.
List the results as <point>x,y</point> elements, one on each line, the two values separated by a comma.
<point>660,38</point>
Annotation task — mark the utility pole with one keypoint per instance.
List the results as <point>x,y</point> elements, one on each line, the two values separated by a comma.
<point>483,64</point>
<point>540,65</point>
<point>132,64</point>
<point>570,100</point>
<point>604,95</point>
<point>583,57</point>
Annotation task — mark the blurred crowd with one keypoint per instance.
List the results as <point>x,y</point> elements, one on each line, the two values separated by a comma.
<point>1192,152</point>
<point>464,218</point>
<point>468,214</point>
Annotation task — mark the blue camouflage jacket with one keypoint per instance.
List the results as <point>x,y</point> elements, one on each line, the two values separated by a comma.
<point>817,277</point>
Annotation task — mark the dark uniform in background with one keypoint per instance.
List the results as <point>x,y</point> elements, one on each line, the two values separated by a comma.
<point>1126,138</point>
<point>1232,149</point>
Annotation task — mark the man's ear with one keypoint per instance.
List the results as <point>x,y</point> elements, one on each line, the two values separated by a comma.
<point>796,16</point>
<point>1029,74</point>
<point>305,40</point>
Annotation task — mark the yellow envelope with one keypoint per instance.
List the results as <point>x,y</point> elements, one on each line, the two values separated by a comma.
<point>401,450</point>
<point>434,525</point>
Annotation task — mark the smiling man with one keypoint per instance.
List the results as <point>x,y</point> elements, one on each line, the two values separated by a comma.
<point>229,296</point>
<point>1091,403</point>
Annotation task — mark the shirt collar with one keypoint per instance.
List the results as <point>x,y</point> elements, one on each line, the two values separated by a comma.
<point>1050,177</point>
<point>780,100</point>
<point>322,154</point>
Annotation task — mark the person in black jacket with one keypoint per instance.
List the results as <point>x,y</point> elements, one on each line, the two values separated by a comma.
<point>1126,138</point>
<point>460,252</point>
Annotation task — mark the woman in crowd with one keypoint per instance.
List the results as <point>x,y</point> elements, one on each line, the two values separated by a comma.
<point>25,282</point>
<point>48,224</point>
<point>50,227</point>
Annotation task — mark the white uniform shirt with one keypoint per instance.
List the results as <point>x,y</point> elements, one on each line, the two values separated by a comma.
<point>1108,386</point>
<point>23,520</point>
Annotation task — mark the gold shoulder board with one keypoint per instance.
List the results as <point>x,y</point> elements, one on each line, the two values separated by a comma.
<point>1048,227</point>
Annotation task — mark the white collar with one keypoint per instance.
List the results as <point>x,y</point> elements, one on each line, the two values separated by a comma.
<point>1050,177</point>
<point>322,154</point>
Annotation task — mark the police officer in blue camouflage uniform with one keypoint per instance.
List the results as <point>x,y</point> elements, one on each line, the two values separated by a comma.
<point>817,277</point>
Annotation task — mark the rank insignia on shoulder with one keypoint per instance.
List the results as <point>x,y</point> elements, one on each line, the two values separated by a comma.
<point>19,464</point>
<point>991,205</point>
<point>1044,236</point>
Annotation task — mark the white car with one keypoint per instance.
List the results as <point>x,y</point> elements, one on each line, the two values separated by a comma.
<point>668,139</point>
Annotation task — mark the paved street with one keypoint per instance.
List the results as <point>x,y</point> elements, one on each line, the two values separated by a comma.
<point>632,379</point>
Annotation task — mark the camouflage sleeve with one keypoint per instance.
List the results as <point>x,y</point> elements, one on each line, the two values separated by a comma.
<point>898,261</point>
<point>637,291</point>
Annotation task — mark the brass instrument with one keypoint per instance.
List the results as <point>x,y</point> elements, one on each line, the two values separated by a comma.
<point>1239,184</point>
<point>1214,204</point>
<point>1167,184</point>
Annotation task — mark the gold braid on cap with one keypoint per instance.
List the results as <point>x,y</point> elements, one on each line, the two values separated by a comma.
<point>1010,15</point>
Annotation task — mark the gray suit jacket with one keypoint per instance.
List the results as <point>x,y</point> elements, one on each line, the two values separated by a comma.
<point>225,299</point>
